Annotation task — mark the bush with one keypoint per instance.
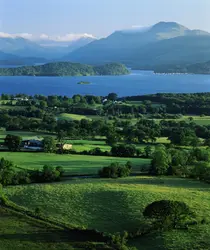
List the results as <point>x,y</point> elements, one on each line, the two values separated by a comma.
<point>48,174</point>
<point>124,151</point>
<point>116,170</point>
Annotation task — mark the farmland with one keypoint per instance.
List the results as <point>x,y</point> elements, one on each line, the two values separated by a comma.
<point>117,205</point>
<point>72,164</point>
<point>166,145</point>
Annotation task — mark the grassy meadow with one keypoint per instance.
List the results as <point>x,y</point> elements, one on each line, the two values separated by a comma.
<point>65,116</point>
<point>72,164</point>
<point>199,120</point>
<point>117,205</point>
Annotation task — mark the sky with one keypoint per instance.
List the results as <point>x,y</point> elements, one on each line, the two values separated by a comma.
<point>70,19</point>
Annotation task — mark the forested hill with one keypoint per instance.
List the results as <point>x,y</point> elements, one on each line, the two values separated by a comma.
<point>65,69</point>
<point>198,68</point>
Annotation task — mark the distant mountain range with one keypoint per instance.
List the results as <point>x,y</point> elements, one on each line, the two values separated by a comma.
<point>162,43</point>
<point>165,43</point>
<point>9,59</point>
<point>48,49</point>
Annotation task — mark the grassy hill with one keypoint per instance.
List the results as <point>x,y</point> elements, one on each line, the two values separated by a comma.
<point>117,205</point>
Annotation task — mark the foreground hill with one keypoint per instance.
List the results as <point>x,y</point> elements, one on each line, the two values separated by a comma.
<point>165,42</point>
<point>65,69</point>
<point>116,205</point>
<point>198,68</point>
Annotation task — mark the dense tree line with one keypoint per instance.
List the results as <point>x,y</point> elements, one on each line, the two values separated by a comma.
<point>65,69</point>
<point>192,163</point>
<point>9,175</point>
<point>196,103</point>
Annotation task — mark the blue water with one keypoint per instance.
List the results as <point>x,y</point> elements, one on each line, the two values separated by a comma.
<point>137,83</point>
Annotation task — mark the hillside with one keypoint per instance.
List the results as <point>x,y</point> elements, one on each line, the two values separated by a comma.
<point>198,68</point>
<point>148,47</point>
<point>65,69</point>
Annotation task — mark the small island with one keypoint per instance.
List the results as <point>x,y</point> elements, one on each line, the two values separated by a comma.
<point>66,69</point>
<point>82,82</point>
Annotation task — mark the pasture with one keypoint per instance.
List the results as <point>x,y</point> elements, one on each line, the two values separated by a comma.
<point>199,120</point>
<point>72,164</point>
<point>112,205</point>
<point>65,116</point>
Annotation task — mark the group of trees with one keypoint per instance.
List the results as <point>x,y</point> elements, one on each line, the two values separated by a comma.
<point>65,69</point>
<point>196,103</point>
<point>116,170</point>
<point>10,176</point>
<point>186,163</point>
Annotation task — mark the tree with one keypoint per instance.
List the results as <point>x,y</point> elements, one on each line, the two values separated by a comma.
<point>169,213</point>
<point>161,160</point>
<point>123,150</point>
<point>6,172</point>
<point>112,96</point>
<point>13,142</point>
<point>49,144</point>
<point>112,138</point>
<point>148,151</point>
<point>50,174</point>
<point>116,170</point>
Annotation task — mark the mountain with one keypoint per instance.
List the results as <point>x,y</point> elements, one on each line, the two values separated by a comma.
<point>198,68</point>
<point>49,49</point>
<point>9,59</point>
<point>69,46</point>
<point>132,47</point>
<point>65,69</point>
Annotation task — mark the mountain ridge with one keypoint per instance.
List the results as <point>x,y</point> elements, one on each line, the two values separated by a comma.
<point>123,46</point>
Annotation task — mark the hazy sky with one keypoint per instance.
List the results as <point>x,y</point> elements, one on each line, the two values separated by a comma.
<point>98,17</point>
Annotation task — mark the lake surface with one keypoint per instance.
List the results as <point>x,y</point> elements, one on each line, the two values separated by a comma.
<point>137,83</point>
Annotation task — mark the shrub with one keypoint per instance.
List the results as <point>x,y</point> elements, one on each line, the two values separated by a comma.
<point>116,170</point>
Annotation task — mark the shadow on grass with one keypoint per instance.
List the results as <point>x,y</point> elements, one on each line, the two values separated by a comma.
<point>51,236</point>
<point>162,182</point>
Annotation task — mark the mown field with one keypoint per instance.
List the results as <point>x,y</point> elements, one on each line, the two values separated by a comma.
<point>65,116</point>
<point>117,205</point>
<point>72,164</point>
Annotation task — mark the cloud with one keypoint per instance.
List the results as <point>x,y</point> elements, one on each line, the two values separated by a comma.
<point>66,38</point>
<point>60,38</point>
<point>23,35</point>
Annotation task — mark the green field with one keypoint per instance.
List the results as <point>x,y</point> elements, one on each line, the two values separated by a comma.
<point>65,116</point>
<point>72,164</point>
<point>117,205</point>
<point>25,134</point>
<point>199,120</point>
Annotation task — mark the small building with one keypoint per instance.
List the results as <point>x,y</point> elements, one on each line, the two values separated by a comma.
<point>65,146</point>
<point>32,145</point>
